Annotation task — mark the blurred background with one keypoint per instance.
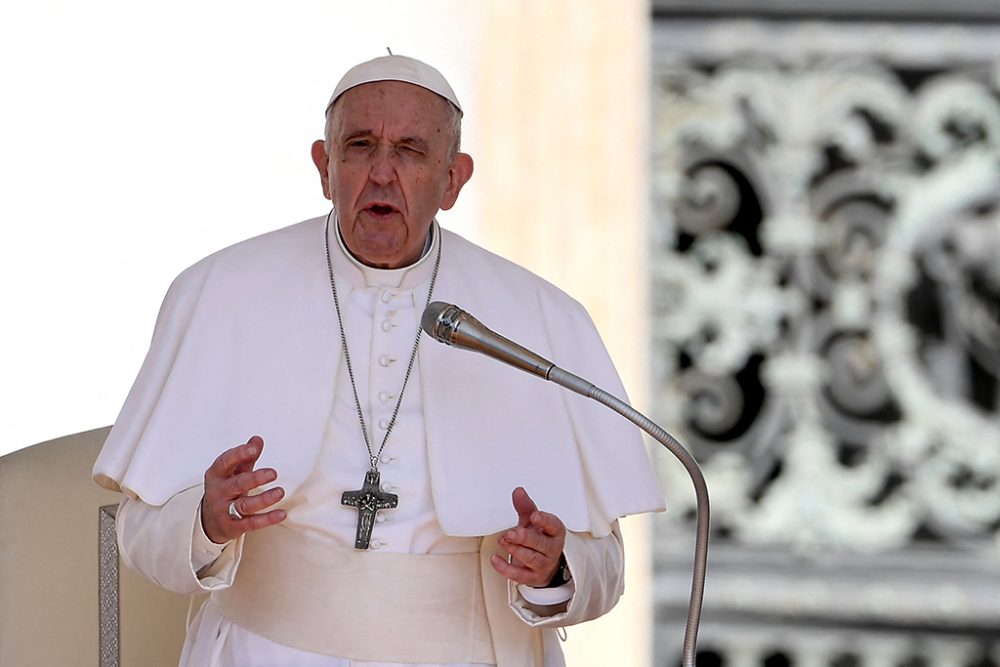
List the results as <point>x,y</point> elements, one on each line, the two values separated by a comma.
<point>825,325</point>
<point>782,214</point>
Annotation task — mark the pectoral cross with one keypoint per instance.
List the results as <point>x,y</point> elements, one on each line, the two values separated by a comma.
<point>369,499</point>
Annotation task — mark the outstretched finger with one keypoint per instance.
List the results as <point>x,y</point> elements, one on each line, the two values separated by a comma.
<point>524,506</point>
<point>518,572</point>
<point>530,538</point>
<point>246,482</point>
<point>257,503</point>
<point>235,460</point>
<point>255,446</point>
<point>256,522</point>
<point>549,524</point>
<point>513,571</point>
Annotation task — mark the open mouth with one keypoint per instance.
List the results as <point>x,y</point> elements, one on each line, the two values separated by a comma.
<point>381,209</point>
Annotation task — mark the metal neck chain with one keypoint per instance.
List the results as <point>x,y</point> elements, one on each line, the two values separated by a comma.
<point>374,456</point>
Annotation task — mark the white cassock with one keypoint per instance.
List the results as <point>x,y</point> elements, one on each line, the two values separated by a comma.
<point>463,433</point>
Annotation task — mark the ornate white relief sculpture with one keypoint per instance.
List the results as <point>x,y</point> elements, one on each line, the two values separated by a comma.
<point>826,301</point>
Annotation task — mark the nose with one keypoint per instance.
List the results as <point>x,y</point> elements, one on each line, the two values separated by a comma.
<point>382,170</point>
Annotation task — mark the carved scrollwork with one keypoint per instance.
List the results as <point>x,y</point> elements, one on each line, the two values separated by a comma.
<point>826,333</point>
<point>819,233</point>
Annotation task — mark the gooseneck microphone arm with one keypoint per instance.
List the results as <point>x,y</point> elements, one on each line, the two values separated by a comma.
<point>453,326</point>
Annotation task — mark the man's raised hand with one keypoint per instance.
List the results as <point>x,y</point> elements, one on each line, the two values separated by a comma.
<point>228,480</point>
<point>534,544</point>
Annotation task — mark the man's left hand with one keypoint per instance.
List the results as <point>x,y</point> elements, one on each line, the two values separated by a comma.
<point>534,544</point>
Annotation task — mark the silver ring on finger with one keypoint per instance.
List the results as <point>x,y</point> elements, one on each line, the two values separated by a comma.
<point>233,512</point>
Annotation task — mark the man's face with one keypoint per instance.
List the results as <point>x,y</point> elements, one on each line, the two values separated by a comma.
<point>389,169</point>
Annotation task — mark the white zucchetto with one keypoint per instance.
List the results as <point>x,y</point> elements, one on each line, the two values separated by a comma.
<point>396,68</point>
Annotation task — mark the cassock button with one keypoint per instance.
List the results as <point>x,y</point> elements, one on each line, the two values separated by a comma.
<point>383,424</point>
<point>384,396</point>
<point>385,361</point>
<point>388,325</point>
<point>386,297</point>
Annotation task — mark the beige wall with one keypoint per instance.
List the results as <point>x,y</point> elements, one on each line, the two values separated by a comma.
<point>561,181</point>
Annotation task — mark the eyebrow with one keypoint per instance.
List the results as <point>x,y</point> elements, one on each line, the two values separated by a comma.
<point>408,140</point>
<point>414,141</point>
<point>357,133</point>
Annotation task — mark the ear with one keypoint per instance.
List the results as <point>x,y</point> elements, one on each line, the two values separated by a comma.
<point>322,162</point>
<point>458,175</point>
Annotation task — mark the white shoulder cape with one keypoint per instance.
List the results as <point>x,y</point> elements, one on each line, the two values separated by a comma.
<point>247,343</point>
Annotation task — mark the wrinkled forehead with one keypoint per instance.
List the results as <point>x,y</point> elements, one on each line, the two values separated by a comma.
<point>393,108</point>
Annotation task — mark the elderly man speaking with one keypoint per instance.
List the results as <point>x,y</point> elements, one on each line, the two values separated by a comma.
<point>391,503</point>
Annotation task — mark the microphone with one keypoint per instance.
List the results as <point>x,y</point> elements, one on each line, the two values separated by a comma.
<point>453,326</point>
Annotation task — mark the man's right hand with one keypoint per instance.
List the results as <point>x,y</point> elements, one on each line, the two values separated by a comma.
<point>228,480</point>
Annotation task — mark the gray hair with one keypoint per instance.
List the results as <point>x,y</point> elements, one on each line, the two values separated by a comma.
<point>454,127</point>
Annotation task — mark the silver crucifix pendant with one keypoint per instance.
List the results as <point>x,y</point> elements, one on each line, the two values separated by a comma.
<point>368,500</point>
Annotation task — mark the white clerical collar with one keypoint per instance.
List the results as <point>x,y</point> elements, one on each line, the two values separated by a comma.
<point>362,275</point>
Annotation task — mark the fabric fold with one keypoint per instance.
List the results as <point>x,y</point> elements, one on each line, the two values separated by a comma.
<point>246,343</point>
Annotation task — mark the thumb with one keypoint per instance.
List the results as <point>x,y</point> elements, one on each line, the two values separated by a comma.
<point>524,506</point>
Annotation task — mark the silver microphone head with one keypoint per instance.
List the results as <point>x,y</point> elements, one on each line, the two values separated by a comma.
<point>440,321</point>
<point>453,326</point>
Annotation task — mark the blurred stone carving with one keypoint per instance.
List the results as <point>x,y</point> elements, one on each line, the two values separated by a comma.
<point>826,337</point>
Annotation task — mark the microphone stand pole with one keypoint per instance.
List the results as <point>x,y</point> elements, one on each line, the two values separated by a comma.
<point>580,386</point>
<point>449,324</point>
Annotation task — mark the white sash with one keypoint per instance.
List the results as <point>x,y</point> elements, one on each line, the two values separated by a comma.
<point>362,605</point>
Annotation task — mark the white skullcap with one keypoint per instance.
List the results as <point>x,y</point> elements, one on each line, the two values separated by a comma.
<point>396,68</point>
